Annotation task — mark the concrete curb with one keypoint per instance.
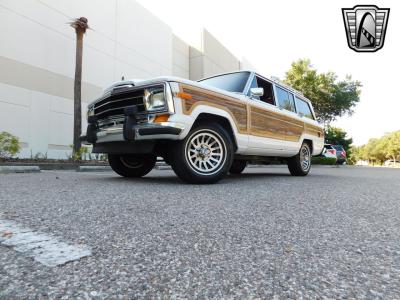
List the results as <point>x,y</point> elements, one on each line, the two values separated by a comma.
<point>166,167</point>
<point>19,169</point>
<point>53,166</point>
<point>285,166</point>
<point>94,169</point>
<point>161,165</point>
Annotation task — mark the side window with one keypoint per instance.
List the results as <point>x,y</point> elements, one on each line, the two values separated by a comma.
<point>285,99</point>
<point>268,96</point>
<point>303,109</point>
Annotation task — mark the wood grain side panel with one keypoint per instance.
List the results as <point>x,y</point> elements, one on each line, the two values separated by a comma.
<point>250,119</point>
<point>314,130</point>
<point>272,125</point>
<point>234,107</point>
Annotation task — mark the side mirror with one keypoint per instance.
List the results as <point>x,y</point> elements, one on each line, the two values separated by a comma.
<point>257,92</point>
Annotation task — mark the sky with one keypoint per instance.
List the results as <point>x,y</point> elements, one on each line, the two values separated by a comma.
<point>273,34</point>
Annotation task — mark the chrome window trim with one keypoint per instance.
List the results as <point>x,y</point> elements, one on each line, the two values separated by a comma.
<point>248,84</point>
<point>221,74</point>
<point>294,103</point>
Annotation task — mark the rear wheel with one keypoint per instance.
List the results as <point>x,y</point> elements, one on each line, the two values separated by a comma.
<point>204,156</point>
<point>238,166</point>
<point>300,164</point>
<point>132,165</point>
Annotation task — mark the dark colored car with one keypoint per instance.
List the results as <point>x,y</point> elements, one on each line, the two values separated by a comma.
<point>340,154</point>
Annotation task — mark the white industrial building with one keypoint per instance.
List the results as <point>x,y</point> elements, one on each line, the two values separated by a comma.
<point>37,62</point>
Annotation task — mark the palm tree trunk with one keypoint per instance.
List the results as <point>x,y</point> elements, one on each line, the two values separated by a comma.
<point>80,25</point>
<point>77,92</point>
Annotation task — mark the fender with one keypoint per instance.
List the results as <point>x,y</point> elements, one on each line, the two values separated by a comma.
<point>241,139</point>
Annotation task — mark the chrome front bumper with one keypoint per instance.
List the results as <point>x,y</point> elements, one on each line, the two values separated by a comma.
<point>147,131</point>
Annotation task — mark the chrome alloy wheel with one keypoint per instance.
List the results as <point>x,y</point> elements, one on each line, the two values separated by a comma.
<point>305,158</point>
<point>205,152</point>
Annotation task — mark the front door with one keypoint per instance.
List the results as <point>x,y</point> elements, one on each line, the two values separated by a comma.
<point>266,126</point>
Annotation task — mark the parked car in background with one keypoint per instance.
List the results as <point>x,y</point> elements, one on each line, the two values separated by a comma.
<point>204,129</point>
<point>329,151</point>
<point>340,154</point>
<point>392,163</point>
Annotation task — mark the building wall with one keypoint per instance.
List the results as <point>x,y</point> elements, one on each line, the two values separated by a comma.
<point>212,58</point>
<point>180,58</point>
<point>37,62</point>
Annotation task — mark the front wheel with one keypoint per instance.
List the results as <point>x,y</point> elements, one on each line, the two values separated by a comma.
<point>132,165</point>
<point>300,164</point>
<point>204,156</point>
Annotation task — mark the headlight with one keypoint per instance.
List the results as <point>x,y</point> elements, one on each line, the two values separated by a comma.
<point>154,98</point>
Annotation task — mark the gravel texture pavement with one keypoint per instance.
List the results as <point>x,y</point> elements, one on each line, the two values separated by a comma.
<point>334,234</point>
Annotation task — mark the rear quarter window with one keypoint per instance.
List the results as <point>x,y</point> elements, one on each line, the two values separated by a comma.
<point>303,109</point>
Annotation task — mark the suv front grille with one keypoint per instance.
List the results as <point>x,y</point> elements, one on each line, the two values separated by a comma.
<point>114,104</point>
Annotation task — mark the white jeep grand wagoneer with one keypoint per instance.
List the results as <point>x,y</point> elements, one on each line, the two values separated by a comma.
<point>204,129</point>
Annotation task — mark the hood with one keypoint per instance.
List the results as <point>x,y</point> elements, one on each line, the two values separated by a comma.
<point>141,82</point>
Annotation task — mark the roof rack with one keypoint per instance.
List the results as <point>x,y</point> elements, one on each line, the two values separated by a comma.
<point>278,81</point>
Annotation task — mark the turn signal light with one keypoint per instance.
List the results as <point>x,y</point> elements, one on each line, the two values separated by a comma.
<point>161,118</point>
<point>184,95</point>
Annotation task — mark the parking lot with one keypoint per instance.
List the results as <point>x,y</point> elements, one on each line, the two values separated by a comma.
<point>264,234</point>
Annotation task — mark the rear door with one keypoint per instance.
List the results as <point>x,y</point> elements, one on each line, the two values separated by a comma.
<point>293,124</point>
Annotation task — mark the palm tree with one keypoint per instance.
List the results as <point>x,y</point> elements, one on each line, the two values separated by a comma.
<point>80,25</point>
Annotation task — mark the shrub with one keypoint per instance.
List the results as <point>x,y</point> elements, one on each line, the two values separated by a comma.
<point>9,145</point>
<point>82,154</point>
<point>320,160</point>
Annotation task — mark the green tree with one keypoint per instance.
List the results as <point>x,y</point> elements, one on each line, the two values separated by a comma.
<point>356,154</point>
<point>9,145</point>
<point>374,151</point>
<point>378,150</point>
<point>391,144</point>
<point>337,136</point>
<point>331,98</point>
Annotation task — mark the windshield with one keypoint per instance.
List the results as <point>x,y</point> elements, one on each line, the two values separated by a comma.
<point>234,82</point>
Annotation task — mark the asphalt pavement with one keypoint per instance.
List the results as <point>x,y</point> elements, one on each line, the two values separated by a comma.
<point>334,234</point>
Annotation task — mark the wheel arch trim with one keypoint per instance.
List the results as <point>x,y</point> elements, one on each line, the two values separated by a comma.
<point>217,114</point>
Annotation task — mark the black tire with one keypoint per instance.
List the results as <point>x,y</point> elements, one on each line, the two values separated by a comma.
<point>191,157</point>
<point>132,165</point>
<point>238,166</point>
<point>297,164</point>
